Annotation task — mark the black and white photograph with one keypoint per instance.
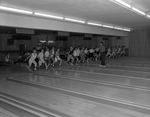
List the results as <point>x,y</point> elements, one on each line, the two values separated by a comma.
<point>74,58</point>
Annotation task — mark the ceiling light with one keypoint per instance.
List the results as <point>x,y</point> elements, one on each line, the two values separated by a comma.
<point>123,3</point>
<point>47,15</point>
<point>75,20</point>
<point>95,24</point>
<point>126,29</point>
<point>138,11</point>
<point>107,26</point>
<point>148,16</point>
<point>15,10</point>
<point>118,28</point>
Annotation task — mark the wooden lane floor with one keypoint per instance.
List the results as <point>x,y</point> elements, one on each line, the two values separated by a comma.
<point>8,72</point>
<point>105,71</point>
<point>5,113</point>
<point>120,68</point>
<point>70,105</point>
<point>31,97</point>
<point>124,63</point>
<point>127,61</point>
<point>7,110</point>
<point>122,81</point>
<point>77,85</point>
<point>131,59</point>
<point>126,95</point>
<point>20,106</point>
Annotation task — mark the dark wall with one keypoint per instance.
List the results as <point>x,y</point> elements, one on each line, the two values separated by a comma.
<point>66,41</point>
<point>139,43</point>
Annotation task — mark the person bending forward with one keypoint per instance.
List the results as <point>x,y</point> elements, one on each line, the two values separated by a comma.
<point>41,59</point>
<point>32,59</point>
<point>57,57</point>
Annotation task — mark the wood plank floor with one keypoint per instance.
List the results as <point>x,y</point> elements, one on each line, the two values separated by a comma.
<point>121,89</point>
<point>113,92</point>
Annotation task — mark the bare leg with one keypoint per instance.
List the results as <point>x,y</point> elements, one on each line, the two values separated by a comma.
<point>60,62</point>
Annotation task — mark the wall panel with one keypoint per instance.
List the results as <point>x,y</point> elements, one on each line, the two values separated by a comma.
<point>139,43</point>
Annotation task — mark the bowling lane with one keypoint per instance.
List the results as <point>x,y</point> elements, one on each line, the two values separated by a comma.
<point>124,64</point>
<point>108,71</point>
<point>14,111</point>
<point>120,68</point>
<point>7,72</point>
<point>133,60</point>
<point>112,92</point>
<point>129,64</point>
<point>70,105</point>
<point>45,99</point>
<point>98,78</point>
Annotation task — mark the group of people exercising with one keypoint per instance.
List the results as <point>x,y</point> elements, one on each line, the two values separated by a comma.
<point>75,56</point>
<point>80,55</point>
<point>47,57</point>
<point>115,51</point>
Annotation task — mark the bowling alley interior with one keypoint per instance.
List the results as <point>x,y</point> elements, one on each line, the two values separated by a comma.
<point>74,58</point>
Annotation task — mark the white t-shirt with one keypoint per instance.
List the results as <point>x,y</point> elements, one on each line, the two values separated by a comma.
<point>75,53</point>
<point>41,55</point>
<point>97,49</point>
<point>119,50</point>
<point>33,56</point>
<point>78,52</point>
<point>52,52</point>
<point>109,50</point>
<point>91,50</point>
<point>85,51</point>
<point>47,53</point>
<point>6,59</point>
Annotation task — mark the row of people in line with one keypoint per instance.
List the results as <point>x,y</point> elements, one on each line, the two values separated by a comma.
<point>81,55</point>
<point>48,57</point>
<point>78,55</point>
<point>74,55</point>
<point>116,51</point>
